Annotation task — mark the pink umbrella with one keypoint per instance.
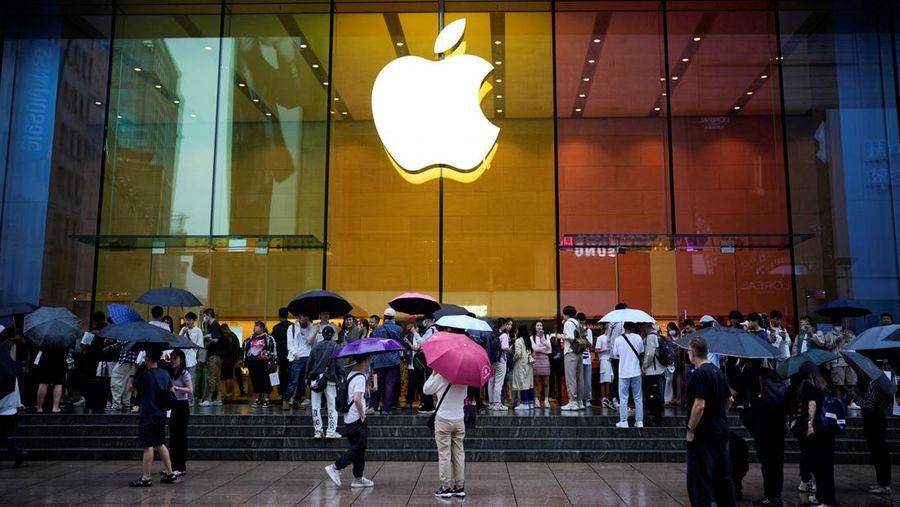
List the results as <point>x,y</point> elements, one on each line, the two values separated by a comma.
<point>458,359</point>
<point>414,303</point>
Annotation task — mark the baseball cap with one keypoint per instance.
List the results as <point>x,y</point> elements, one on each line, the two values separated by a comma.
<point>706,318</point>
<point>389,312</point>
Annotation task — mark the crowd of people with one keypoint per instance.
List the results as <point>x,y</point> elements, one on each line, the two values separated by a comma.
<point>580,363</point>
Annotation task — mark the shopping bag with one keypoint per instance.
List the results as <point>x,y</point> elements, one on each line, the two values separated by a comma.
<point>274,380</point>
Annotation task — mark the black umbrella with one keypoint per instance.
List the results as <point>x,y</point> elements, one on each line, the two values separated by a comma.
<point>731,342</point>
<point>7,373</point>
<point>413,303</point>
<point>52,328</point>
<point>314,302</point>
<point>11,309</point>
<point>841,308</point>
<point>144,336</point>
<point>871,370</point>
<point>168,296</point>
<point>448,309</point>
<point>813,355</point>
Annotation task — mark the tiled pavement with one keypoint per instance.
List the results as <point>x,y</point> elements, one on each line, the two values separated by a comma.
<point>397,483</point>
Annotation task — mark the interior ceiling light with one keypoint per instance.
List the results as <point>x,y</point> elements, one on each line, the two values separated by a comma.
<point>662,79</point>
<point>242,85</point>
<point>656,108</point>
<point>193,115</point>
<point>749,93</point>
<point>268,114</point>
<point>325,83</point>
<point>586,79</point>
<point>591,61</point>
<point>581,95</point>
<point>596,41</point>
<point>399,44</point>
<point>674,78</point>
<point>685,60</point>
<point>119,116</point>
<point>337,99</point>
<point>138,69</point>
<point>303,46</point>
<point>736,108</point>
<point>208,48</point>
<point>764,76</point>
<point>663,94</point>
<point>697,39</point>
<point>498,42</point>
<point>176,101</point>
<point>577,109</point>
<point>499,96</point>
<point>255,100</point>
<point>157,86</point>
<point>498,62</point>
<point>499,110</point>
<point>98,103</point>
<point>498,80</point>
<point>343,112</point>
<point>315,65</point>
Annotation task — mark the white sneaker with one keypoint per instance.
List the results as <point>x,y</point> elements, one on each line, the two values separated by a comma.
<point>569,407</point>
<point>616,403</point>
<point>639,424</point>
<point>217,403</point>
<point>805,487</point>
<point>521,407</point>
<point>580,405</point>
<point>205,403</point>
<point>306,403</point>
<point>621,425</point>
<point>853,406</point>
<point>334,474</point>
<point>362,482</point>
<point>332,434</point>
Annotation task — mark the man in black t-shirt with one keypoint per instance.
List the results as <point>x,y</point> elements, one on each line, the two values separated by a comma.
<point>150,385</point>
<point>216,348</point>
<point>708,465</point>
<point>279,332</point>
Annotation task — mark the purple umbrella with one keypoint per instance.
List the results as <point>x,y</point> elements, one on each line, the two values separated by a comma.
<point>368,346</point>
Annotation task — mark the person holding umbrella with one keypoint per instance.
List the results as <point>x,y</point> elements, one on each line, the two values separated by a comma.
<point>51,374</point>
<point>876,405</point>
<point>259,358</point>
<point>457,362</point>
<point>818,444</point>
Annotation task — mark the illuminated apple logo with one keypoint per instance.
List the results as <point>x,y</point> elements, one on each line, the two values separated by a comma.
<point>428,113</point>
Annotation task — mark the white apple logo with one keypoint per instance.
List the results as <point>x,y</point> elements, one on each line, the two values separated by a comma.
<point>427,113</point>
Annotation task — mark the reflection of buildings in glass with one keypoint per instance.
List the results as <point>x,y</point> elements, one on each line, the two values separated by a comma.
<point>75,172</point>
<point>265,149</point>
<point>147,120</point>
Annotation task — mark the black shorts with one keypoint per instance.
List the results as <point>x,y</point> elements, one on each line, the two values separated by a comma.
<point>152,431</point>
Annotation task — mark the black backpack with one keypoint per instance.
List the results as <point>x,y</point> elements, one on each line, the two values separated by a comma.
<point>495,350</point>
<point>665,354</point>
<point>772,391</point>
<point>343,393</point>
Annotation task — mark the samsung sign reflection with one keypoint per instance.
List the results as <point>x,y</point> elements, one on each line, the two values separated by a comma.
<point>428,113</point>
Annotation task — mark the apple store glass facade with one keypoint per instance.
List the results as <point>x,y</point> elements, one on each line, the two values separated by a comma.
<point>686,157</point>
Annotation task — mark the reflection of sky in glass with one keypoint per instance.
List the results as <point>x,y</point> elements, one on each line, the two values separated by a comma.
<point>197,67</point>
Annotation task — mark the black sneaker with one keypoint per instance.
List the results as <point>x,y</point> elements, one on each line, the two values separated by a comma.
<point>458,492</point>
<point>443,493</point>
<point>169,479</point>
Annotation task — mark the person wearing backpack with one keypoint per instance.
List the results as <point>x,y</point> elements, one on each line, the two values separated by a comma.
<point>819,442</point>
<point>628,348</point>
<point>573,332</point>
<point>352,403</point>
<point>761,393</point>
<point>654,371</point>
<point>322,376</point>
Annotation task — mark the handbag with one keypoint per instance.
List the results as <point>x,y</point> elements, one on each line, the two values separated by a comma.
<point>431,418</point>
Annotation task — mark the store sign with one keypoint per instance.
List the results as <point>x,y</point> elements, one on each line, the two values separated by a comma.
<point>428,113</point>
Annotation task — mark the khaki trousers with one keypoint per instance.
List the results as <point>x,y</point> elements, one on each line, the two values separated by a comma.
<point>213,372</point>
<point>574,377</point>
<point>449,436</point>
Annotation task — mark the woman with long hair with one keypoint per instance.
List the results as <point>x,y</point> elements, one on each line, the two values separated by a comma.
<point>523,369</point>
<point>365,330</point>
<point>673,379</point>
<point>181,412</point>
<point>541,348</point>
<point>259,358</point>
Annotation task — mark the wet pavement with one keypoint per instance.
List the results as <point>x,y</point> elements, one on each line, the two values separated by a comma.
<point>396,483</point>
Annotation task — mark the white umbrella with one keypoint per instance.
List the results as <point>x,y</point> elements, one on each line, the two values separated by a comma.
<point>463,322</point>
<point>628,315</point>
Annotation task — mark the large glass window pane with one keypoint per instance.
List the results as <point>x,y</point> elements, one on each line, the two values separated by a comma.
<point>499,231</point>
<point>382,229</point>
<point>273,107</point>
<point>162,120</point>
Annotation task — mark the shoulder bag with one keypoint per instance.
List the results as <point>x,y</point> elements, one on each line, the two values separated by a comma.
<point>431,418</point>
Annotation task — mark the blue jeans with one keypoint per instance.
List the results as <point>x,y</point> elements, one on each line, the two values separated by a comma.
<point>298,369</point>
<point>634,384</point>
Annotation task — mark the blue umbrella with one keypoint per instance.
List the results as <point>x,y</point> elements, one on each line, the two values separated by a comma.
<point>731,342</point>
<point>120,314</point>
<point>368,346</point>
<point>871,370</point>
<point>168,296</point>
<point>876,338</point>
<point>8,310</point>
<point>841,308</point>
<point>52,328</point>
<point>143,336</point>
<point>314,302</point>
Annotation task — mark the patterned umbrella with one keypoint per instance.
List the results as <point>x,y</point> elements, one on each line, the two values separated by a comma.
<point>120,314</point>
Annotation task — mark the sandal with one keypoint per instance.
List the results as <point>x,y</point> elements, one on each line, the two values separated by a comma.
<point>169,479</point>
<point>141,483</point>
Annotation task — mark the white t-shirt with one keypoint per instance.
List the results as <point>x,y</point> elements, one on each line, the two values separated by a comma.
<point>297,341</point>
<point>451,408</point>
<point>160,324</point>
<point>569,328</point>
<point>357,385</point>
<point>586,355</point>
<point>195,335</point>
<point>629,364</point>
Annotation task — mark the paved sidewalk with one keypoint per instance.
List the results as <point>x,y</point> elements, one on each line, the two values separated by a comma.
<point>396,483</point>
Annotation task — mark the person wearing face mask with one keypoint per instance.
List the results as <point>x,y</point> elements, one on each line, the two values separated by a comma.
<point>808,336</point>
<point>778,336</point>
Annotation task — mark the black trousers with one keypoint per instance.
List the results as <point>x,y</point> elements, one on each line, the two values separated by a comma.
<point>284,375</point>
<point>178,443</point>
<point>653,397</point>
<point>709,472</point>
<point>358,435</point>
<point>807,456</point>
<point>768,437</point>
<point>875,428</point>
<point>8,423</point>
<point>823,467</point>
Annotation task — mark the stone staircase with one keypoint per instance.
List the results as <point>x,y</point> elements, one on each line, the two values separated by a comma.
<point>288,437</point>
